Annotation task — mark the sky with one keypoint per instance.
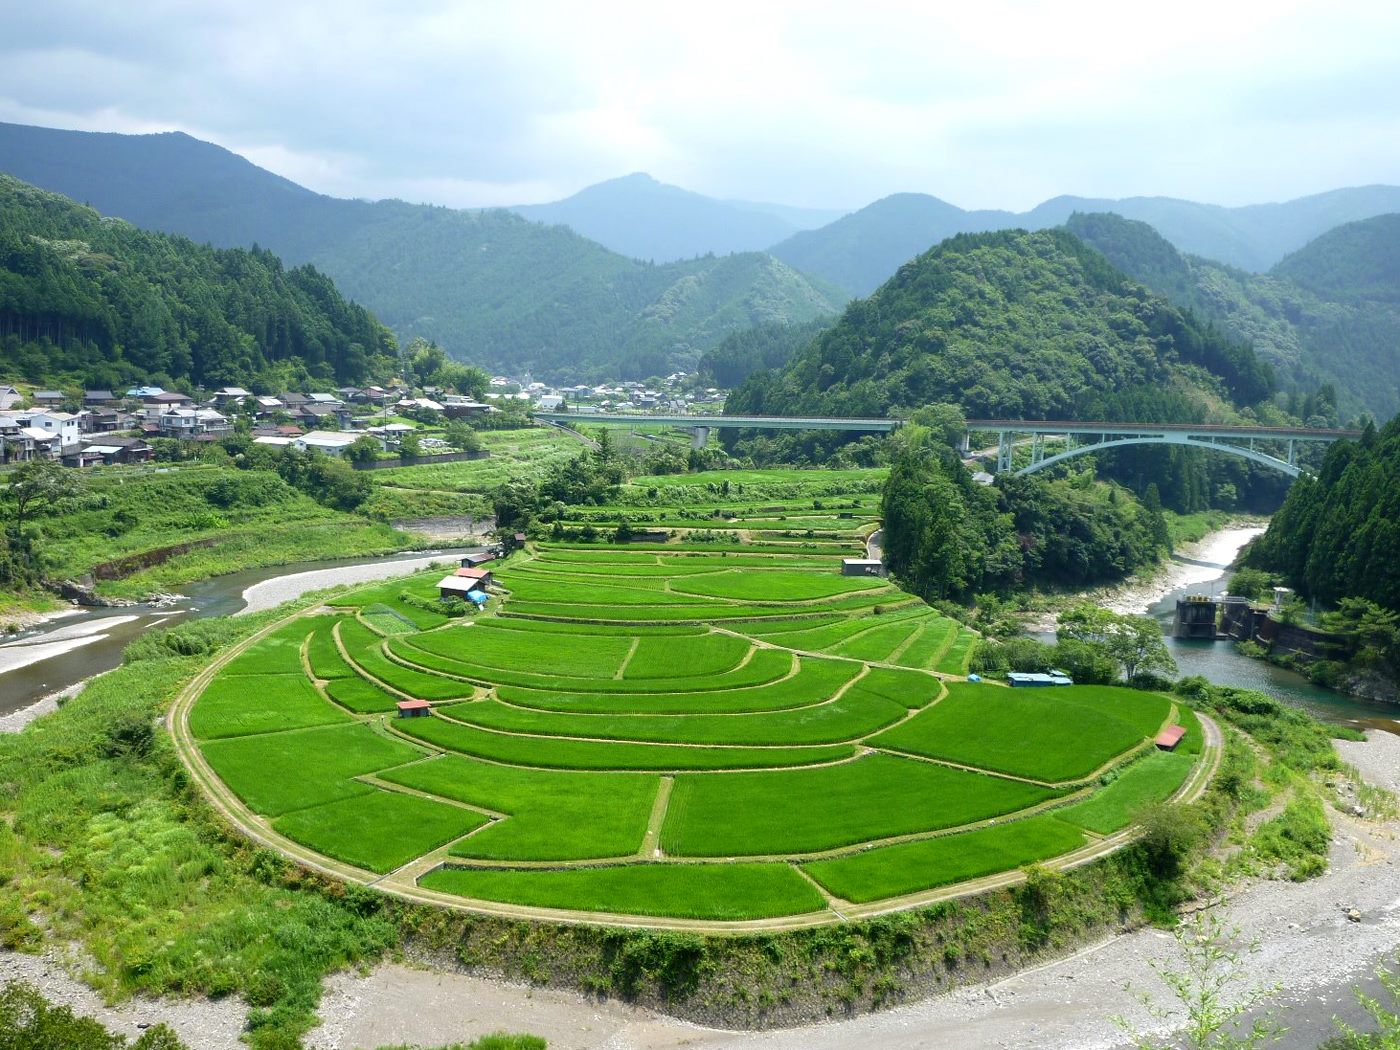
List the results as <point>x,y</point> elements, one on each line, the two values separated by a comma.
<point>990,103</point>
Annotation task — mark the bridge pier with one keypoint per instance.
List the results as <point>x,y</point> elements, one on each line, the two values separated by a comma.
<point>699,437</point>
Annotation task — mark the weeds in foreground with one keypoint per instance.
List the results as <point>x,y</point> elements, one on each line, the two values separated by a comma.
<point>1204,987</point>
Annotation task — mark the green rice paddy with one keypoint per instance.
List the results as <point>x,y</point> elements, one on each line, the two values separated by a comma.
<point>720,734</point>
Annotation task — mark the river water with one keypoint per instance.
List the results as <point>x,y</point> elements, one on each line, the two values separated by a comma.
<point>68,650</point>
<point>1204,569</point>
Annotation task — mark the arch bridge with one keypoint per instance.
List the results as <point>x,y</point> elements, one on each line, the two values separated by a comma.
<point>1275,447</point>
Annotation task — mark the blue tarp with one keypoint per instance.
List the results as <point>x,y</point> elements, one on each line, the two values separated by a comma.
<point>477,596</point>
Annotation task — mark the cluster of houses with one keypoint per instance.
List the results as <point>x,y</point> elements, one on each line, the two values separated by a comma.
<point>53,426</point>
<point>669,395</point>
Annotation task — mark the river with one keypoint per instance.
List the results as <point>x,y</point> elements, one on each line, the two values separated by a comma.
<point>1203,568</point>
<point>70,649</point>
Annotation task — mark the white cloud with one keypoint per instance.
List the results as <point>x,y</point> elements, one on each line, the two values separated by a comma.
<point>996,104</point>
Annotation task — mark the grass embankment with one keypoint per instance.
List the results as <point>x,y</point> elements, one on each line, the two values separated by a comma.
<point>140,530</point>
<point>458,489</point>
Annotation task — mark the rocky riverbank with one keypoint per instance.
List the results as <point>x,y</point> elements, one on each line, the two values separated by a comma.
<point>1192,563</point>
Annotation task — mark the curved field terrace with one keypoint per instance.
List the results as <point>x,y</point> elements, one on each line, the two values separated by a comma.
<point>667,737</point>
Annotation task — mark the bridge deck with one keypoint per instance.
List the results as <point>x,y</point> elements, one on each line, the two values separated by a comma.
<point>1047,426</point>
<point>876,426</point>
<point>885,426</point>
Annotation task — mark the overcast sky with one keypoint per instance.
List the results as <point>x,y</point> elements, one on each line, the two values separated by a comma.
<point>985,103</point>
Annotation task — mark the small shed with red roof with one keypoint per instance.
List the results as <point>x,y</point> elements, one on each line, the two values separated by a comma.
<point>481,577</point>
<point>1168,738</point>
<point>415,709</point>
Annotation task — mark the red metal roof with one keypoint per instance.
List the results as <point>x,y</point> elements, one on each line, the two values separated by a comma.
<point>413,705</point>
<point>1171,736</point>
<point>473,573</point>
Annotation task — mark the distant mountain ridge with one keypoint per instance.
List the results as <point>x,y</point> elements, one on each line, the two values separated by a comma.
<point>638,216</point>
<point>859,251</point>
<point>1329,313</point>
<point>489,286</point>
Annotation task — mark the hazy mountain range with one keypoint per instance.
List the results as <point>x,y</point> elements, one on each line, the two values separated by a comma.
<point>489,286</point>
<point>570,288</point>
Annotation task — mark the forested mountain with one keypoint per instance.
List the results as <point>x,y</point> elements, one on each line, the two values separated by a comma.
<point>1338,535</point>
<point>99,301</point>
<point>638,216</point>
<point>1011,325</point>
<point>490,287</point>
<point>862,249</point>
<point>1035,325</point>
<point>754,349</point>
<point>1356,262</point>
<point>1329,314</point>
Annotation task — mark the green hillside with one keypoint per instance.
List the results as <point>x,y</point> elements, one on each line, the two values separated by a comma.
<point>1327,314</point>
<point>1338,535</point>
<point>102,302</point>
<point>1011,325</point>
<point>489,286</point>
<point>1358,261</point>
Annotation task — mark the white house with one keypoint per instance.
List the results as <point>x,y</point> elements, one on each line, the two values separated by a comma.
<point>551,403</point>
<point>63,425</point>
<point>192,422</point>
<point>331,442</point>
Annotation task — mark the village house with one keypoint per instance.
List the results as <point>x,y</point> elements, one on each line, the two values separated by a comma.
<point>154,405</point>
<point>479,577</point>
<point>331,442</point>
<point>48,398</point>
<point>62,425</point>
<point>9,398</point>
<point>20,442</point>
<point>99,399</point>
<point>230,395</point>
<point>193,423</point>
<point>114,450</point>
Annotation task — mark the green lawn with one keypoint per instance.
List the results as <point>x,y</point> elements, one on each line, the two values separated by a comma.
<point>550,815</point>
<point>1154,778</point>
<point>380,831</point>
<point>689,891</point>
<point>908,867</point>
<point>854,715</point>
<point>556,753</point>
<point>1046,734</point>
<point>364,647</point>
<point>324,656</point>
<point>809,810</point>
<point>361,696</point>
<point>280,772</point>
<point>263,703</point>
<point>775,585</point>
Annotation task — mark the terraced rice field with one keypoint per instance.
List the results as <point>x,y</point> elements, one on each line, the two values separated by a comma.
<point>670,734</point>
